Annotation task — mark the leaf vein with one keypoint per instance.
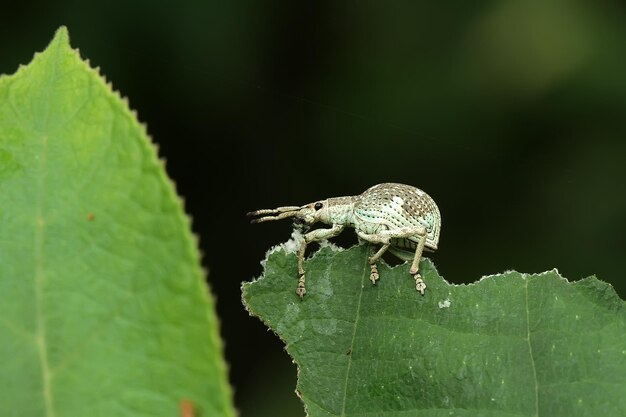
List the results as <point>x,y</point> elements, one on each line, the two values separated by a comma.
<point>356,323</point>
<point>530,348</point>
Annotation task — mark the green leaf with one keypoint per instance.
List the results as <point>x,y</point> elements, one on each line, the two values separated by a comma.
<point>103,306</point>
<point>509,345</point>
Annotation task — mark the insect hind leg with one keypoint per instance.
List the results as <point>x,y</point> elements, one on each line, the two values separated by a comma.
<point>420,285</point>
<point>413,256</point>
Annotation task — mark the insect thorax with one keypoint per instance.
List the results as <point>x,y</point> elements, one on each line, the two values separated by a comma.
<point>340,210</point>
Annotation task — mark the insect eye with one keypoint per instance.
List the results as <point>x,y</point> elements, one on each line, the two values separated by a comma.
<point>318,206</point>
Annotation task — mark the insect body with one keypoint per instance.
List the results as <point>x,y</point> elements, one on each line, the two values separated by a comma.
<point>400,218</point>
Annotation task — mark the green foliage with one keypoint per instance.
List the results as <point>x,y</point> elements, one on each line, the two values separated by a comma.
<point>103,306</point>
<point>509,345</point>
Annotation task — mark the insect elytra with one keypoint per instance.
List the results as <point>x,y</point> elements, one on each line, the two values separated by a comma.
<point>402,219</point>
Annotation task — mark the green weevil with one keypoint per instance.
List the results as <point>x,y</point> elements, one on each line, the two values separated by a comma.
<point>400,218</point>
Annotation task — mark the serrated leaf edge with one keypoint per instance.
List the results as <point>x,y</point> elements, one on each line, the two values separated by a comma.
<point>152,148</point>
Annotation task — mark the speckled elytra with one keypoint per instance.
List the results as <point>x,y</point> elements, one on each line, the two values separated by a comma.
<point>401,218</point>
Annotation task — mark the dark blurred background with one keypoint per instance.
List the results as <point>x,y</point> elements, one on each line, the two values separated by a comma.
<point>511,114</point>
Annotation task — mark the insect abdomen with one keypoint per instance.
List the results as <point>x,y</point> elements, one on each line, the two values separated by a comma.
<point>394,206</point>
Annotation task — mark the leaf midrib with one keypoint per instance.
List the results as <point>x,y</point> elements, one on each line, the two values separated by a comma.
<point>40,235</point>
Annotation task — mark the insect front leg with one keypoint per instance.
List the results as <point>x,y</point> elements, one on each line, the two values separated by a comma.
<point>313,236</point>
<point>301,289</point>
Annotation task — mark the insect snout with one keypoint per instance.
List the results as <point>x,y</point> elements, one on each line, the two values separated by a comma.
<point>279,213</point>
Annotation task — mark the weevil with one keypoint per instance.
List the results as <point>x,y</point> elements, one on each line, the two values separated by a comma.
<point>402,219</point>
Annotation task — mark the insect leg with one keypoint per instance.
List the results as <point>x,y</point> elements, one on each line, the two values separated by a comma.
<point>384,237</point>
<point>385,241</point>
<point>374,276</point>
<point>301,289</point>
<point>313,236</point>
<point>420,285</point>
